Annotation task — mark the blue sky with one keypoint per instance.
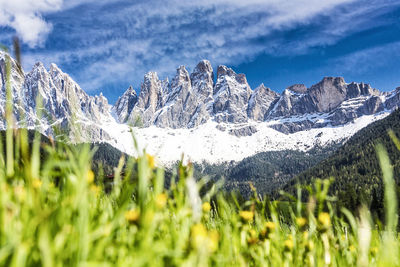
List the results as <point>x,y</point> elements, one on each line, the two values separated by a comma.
<point>108,45</point>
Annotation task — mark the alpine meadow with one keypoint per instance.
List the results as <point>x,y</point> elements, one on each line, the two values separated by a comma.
<point>202,165</point>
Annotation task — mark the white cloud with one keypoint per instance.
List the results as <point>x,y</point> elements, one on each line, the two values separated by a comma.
<point>112,41</point>
<point>25,17</point>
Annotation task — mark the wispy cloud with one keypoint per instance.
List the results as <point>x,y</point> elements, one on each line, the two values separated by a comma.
<point>104,42</point>
<point>26,18</point>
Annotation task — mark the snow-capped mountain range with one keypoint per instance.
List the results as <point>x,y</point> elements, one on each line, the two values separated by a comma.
<point>207,119</point>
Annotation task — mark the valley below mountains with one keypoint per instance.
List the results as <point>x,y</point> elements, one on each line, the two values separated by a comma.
<point>210,117</point>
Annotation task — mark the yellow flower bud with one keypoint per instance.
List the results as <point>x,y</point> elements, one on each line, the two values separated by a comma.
<point>161,200</point>
<point>301,222</point>
<point>269,228</point>
<point>252,239</point>
<point>198,236</point>
<point>288,244</point>
<point>132,215</point>
<point>36,183</point>
<point>206,207</point>
<point>213,238</point>
<point>201,239</point>
<point>150,160</point>
<point>306,234</point>
<point>310,245</point>
<point>246,215</point>
<point>90,176</point>
<point>324,220</point>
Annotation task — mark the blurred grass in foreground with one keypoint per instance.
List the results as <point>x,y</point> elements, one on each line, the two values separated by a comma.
<point>54,213</point>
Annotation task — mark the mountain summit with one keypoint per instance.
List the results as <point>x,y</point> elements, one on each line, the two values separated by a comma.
<point>206,116</point>
<point>191,100</point>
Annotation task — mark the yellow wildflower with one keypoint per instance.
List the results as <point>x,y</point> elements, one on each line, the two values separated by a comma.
<point>269,228</point>
<point>301,222</point>
<point>150,160</point>
<point>132,215</point>
<point>201,239</point>
<point>246,215</point>
<point>288,244</point>
<point>161,200</point>
<point>213,238</point>
<point>324,220</point>
<point>36,183</point>
<point>198,235</point>
<point>310,245</point>
<point>252,239</point>
<point>90,176</point>
<point>206,207</point>
<point>306,235</point>
<point>352,248</point>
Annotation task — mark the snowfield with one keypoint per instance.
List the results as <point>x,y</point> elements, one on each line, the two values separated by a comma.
<point>207,143</point>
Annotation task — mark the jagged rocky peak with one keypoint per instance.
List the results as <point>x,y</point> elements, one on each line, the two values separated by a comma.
<point>38,76</point>
<point>225,71</point>
<point>184,107</point>
<point>54,70</point>
<point>202,79</point>
<point>102,102</point>
<point>231,96</point>
<point>261,102</point>
<point>149,101</point>
<point>125,103</point>
<point>182,76</point>
<point>180,84</point>
<point>150,92</point>
<point>328,93</point>
<point>298,88</point>
<point>165,86</point>
<point>39,81</point>
<point>17,74</point>
<point>393,100</point>
<point>358,89</point>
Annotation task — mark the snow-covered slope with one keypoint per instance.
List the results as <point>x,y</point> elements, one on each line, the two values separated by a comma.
<point>208,143</point>
<point>192,115</point>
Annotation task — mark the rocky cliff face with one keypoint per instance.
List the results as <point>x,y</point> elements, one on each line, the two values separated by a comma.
<point>66,107</point>
<point>125,104</point>
<point>261,101</point>
<point>187,101</point>
<point>193,99</point>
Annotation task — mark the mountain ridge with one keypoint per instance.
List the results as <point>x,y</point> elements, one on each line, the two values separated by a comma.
<point>217,120</point>
<point>230,99</point>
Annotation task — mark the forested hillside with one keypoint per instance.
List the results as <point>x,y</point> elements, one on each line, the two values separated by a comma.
<point>355,167</point>
<point>267,171</point>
